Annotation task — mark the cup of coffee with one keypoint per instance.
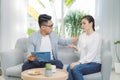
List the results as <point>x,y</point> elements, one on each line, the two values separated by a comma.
<point>53,68</point>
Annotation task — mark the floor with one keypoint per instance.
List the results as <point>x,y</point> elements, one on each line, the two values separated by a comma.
<point>114,76</point>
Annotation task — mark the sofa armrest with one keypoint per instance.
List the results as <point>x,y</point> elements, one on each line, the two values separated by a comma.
<point>106,65</point>
<point>10,58</point>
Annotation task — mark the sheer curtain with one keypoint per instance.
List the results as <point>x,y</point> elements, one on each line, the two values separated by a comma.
<point>108,19</point>
<point>0,24</point>
<point>13,22</point>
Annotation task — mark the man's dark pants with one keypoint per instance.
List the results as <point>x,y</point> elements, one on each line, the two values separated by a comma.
<point>36,64</point>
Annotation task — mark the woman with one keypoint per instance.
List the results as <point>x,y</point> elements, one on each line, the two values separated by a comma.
<point>88,46</point>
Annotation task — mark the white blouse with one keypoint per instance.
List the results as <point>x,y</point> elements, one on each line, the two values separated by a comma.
<point>89,48</point>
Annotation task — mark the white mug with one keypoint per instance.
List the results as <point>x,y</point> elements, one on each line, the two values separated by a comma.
<point>53,68</point>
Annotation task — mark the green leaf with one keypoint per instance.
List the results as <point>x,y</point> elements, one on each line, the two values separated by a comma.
<point>48,66</point>
<point>117,42</point>
<point>69,2</point>
<point>41,3</point>
<point>33,13</point>
<point>52,1</point>
<point>30,31</point>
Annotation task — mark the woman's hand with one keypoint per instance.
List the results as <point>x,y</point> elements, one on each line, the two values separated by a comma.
<point>31,57</point>
<point>74,64</point>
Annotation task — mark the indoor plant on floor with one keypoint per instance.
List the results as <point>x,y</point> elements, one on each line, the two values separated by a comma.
<point>117,54</point>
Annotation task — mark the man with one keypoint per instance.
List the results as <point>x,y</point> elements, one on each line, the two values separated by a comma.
<point>44,40</point>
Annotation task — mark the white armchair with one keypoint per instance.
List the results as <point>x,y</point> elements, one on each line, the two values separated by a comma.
<point>11,61</point>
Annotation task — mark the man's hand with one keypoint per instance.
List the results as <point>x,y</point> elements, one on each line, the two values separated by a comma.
<point>75,39</point>
<point>31,57</point>
<point>74,64</point>
<point>73,46</point>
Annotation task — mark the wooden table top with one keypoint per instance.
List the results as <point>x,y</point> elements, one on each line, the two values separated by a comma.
<point>60,74</point>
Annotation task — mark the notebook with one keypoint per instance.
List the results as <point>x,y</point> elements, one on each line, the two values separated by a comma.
<point>42,56</point>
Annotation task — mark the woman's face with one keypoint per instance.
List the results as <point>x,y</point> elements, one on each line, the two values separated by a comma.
<point>86,26</point>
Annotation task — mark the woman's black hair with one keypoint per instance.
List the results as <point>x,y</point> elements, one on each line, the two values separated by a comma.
<point>90,19</point>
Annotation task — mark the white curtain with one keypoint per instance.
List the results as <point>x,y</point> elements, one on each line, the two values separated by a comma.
<point>0,24</point>
<point>13,22</point>
<point>108,19</point>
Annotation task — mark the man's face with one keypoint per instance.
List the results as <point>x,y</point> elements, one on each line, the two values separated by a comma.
<point>47,27</point>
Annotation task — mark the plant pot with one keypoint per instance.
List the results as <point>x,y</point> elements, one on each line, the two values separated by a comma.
<point>48,73</point>
<point>117,67</point>
<point>48,70</point>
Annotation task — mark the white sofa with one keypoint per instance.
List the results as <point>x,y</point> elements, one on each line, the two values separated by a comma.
<point>11,61</point>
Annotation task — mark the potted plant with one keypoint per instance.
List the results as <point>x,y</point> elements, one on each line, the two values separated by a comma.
<point>48,70</point>
<point>72,23</point>
<point>117,64</point>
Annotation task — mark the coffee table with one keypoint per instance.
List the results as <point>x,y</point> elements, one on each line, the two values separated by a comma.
<point>60,74</point>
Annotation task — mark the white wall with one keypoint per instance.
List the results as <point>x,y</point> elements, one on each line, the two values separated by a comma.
<point>13,22</point>
<point>108,18</point>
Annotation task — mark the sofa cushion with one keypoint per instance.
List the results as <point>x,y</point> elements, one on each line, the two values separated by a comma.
<point>67,55</point>
<point>94,76</point>
<point>14,71</point>
<point>22,44</point>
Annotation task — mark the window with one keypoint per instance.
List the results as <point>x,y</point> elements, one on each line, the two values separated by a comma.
<point>57,9</point>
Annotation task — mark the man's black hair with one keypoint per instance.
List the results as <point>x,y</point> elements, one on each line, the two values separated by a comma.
<point>43,18</point>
